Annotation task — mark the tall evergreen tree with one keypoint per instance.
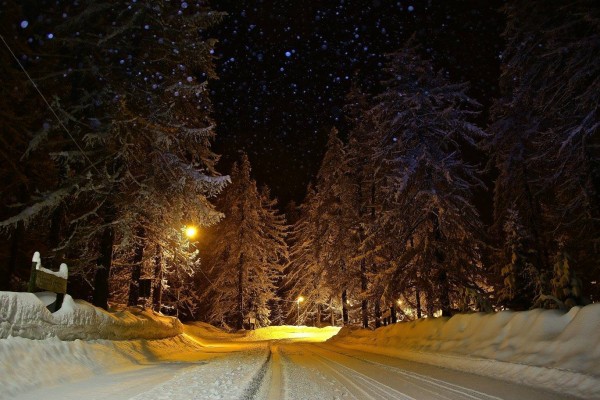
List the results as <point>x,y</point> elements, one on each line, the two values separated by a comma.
<point>247,253</point>
<point>134,128</point>
<point>519,275</point>
<point>324,239</point>
<point>423,132</point>
<point>305,277</point>
<point>366,200</point>
<point>545,142</point>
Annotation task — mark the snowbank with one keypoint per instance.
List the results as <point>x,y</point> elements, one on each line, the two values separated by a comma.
<point>547,348</point>
<point>27,364</point>
<point>25,315</point>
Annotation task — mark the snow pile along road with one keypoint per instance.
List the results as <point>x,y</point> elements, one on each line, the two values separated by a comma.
<point>26,364</point>
<point>39,348</point>
<point>545,348</point>
<point>25,315</point>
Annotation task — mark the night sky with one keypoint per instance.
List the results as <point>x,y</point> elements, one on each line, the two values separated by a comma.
<point>285,68</point>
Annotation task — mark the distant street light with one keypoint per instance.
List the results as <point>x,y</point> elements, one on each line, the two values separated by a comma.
<point>300,299</point>
<point>191,231</point>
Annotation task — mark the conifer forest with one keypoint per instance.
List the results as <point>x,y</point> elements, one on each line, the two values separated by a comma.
<point>321,163</point>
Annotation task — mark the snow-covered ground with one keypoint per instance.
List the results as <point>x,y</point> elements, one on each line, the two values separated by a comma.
<point>82,352</point>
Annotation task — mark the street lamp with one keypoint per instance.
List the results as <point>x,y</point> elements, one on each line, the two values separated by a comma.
<point>191,231</point>
<point>300,299</point>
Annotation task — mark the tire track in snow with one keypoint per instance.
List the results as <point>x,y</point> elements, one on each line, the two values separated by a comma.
<point>237,375</point>
<point>467,393</point>
<point>276,385</point>
<point>371,388</point>
<point>304,378</point>
<point>260,379</point>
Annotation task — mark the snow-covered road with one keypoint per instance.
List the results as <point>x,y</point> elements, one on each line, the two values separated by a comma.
<point>281,369</point>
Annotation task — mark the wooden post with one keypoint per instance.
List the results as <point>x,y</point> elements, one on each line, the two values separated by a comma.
<point>60,297</point>
<point>32,276</point>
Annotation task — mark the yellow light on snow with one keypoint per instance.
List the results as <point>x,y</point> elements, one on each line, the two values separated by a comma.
<point>291,333</point>
<point>191,232</point>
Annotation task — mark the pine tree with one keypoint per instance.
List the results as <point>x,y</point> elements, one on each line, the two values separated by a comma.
<point>367,201</point>
<point>423,131</point>
<point>247,253</point>
<point>517,289</point>
<point>325,239</point>
<point>546,128</point>
<point>25,179</point>
<point>129,87</point>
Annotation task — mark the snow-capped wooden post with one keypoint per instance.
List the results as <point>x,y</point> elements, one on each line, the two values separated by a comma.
<point>35,261</point>
<point>45,279</point>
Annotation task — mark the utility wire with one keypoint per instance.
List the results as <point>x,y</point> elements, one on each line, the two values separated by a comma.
<point>49,106</point>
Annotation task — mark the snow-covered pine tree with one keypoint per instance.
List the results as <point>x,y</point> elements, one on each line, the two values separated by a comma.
<point>247,252</point>
<point>324,240</point>
<point>20,178</point>
<point>423,131</point>
<point>518,286</point>
<point>129,85</point>
<point>305,275</point>
<point>551,90</point>
<point>336,230</point>
<point>367,201</point>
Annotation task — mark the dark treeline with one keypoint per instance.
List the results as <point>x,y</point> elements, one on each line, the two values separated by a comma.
<point>391,217</point>
<point>107,179</point>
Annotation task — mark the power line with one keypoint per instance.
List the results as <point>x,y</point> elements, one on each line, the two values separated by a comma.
<point>49,106</point>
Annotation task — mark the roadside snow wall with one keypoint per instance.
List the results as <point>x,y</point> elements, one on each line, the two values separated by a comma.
<point>544,348</point>
<point>25,315</point>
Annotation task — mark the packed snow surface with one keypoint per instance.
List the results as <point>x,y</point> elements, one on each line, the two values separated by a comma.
<point>84,352</point>
<point>546,348</point>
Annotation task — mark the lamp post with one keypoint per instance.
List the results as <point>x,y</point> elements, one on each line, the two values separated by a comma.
<point>300,299</point>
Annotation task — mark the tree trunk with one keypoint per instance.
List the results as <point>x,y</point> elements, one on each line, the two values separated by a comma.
<point>430,308</point>
<point>240,299</point>
<point>136,271</point>
<point>158,277</point>
<point>364,304</point>
<point>418,300</point>
<point>534,208</point>
<point>13,258</point>
<point>318,322</point>
<point>56,223</point>
<point>344,307</point>
<point>332,311</point>
<point>394,317</point>
<point>444,294</point>
<point>443,284</point>
<point>377,313</point>
<point>104,263</point>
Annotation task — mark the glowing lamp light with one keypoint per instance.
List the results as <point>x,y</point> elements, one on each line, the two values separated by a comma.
<point>300,299</point>
<point>191,232</point>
